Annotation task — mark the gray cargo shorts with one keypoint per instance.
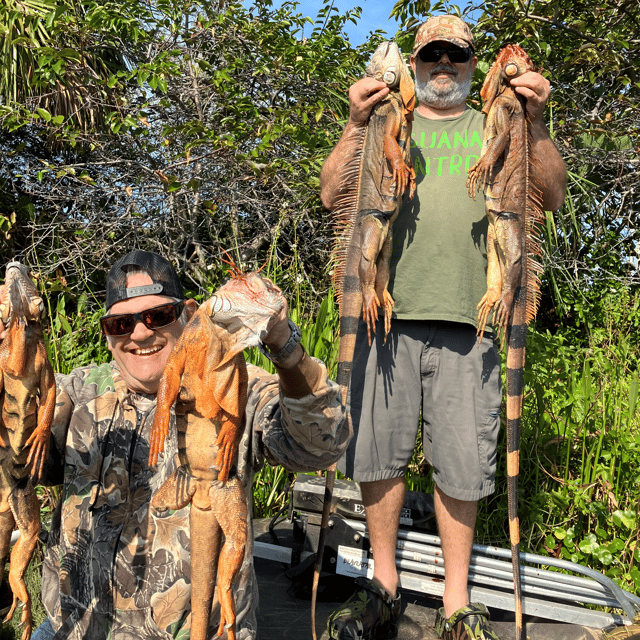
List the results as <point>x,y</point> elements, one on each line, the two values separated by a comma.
<point>436,367</point>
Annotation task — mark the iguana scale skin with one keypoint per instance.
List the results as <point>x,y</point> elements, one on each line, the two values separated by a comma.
<point>374,183</point>
<point>27,397</point>
<point>513,287</point>
<point>206,377</point>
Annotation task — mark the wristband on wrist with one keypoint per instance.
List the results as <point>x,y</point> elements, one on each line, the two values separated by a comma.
<point>287,350</point>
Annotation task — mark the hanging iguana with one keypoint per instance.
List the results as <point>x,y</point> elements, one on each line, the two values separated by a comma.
<point>373,186</point>
<point>206,378</point>
<point>27,401</point>
<point>513,287</point>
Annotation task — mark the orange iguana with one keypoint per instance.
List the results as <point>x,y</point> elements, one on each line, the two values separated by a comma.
<point>27,395</point>
<point>206,376</point>
<point>372,189</point>
<point>513,287</point>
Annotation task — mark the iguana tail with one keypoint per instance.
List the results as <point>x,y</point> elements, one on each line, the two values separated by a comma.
<point>517,340</point>
<point>525,308</point>
<point>348,328</point>
<point>349,295</point>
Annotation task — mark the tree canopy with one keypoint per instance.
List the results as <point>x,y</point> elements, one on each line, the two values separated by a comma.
<point>194,128</point>
<point>191,129</point>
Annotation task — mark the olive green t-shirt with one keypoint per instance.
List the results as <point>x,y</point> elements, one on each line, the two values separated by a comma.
<point>439,261</point>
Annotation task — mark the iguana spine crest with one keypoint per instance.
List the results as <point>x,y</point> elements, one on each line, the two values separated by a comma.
<point>514,209</point>
<point>373,182</point>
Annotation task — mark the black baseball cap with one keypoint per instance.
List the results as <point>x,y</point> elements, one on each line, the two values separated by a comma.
<point>164,276</point>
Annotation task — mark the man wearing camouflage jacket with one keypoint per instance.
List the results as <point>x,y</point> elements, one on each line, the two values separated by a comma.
<point>115,567</point>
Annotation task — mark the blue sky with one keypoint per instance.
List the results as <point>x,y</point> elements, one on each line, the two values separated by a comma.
<point>375,15</point>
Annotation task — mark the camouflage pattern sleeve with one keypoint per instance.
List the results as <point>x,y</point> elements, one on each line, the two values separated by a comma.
<point>67,387</point>
<point>303,434</point>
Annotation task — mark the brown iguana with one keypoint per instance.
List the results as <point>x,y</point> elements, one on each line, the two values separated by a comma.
<point>206,376</point>
<point>374,184</point>
<point>513,287</point>
<point>27,395</point>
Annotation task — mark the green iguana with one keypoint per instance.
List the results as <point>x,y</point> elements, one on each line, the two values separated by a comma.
<point>513,287</point>
<point>27,396</point>
<point>206,377</point>
<point>373,186</point>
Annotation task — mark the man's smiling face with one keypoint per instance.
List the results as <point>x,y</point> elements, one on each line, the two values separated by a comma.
<point>143,354</point>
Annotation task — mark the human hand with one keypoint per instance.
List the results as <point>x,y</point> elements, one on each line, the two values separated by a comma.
<point>363,96</point>
<point>536,89</point>
<point>278,330</point>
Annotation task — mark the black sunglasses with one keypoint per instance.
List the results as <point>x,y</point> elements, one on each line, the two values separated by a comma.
<point>155,318</point>
<point>433,53</point>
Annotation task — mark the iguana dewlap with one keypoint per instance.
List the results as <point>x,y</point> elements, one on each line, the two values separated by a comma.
<point>27,396</point>
<point>513,288</point>
<point>372,189</point>
<point>206,377</point>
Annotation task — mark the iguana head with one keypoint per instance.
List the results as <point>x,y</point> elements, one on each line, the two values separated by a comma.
<point>244,305</point>
<point>512,61</point>
<point>388,66</point>
<point>20,303</point>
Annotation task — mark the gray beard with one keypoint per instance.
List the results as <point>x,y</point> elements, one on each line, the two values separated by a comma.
<point>437,97</point>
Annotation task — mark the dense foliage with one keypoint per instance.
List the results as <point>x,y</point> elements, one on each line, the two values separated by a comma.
<point>208,129</point>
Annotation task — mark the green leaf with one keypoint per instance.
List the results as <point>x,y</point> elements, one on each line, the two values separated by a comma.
<point>626,519</point>
<point>44,114</point>
<point>589,544</point>
<point>616,545</point>
<point>633,398</point>
<point>604,555</point>
<point>559,533</point>
<point>70,53</point>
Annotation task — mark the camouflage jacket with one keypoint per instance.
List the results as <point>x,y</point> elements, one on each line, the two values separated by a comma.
<point>115,568</point>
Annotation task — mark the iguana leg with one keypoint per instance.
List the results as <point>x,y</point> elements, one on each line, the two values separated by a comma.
<point>382,280</point>
<point>227,443</point>
<point>167,393</point>
<point>7,522</point>
<point>509,249</point>
<point>230,506</point>
<point>26,511</point>
<point>494,279</point>
<point>38,443</point>
<point>176,492</point>
<point>372,235</point>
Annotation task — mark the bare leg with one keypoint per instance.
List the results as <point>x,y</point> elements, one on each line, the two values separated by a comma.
<point>456,524</point>
<point>383,502</point>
